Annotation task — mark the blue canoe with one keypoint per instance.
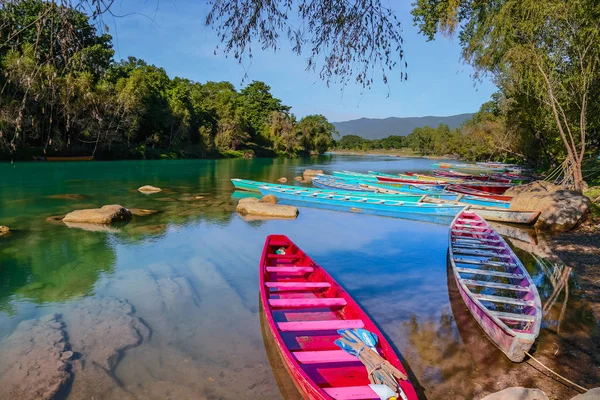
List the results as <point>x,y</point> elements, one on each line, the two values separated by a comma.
<point>390,208</point>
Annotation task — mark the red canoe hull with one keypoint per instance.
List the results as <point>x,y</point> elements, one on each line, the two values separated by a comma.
<point>479,193</point>
<point>303,307</point>
<point>488,188</point>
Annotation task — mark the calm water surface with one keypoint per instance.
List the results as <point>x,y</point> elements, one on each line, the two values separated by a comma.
<point>190,273</point>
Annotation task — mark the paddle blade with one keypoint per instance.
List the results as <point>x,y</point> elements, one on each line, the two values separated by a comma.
<point>344,346</point>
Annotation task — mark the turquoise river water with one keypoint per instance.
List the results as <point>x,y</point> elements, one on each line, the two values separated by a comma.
<point>190,274</point>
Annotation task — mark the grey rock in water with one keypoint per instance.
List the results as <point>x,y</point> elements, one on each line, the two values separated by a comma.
<point>33,360</point>
<point>149,189</point>
<point>105,215</point>
<point>101,330</point>
<point>282,180</point>
<point>561,209</point>
<point>517,393</point>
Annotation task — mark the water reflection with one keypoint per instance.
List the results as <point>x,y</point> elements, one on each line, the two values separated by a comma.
<point>190,272</point>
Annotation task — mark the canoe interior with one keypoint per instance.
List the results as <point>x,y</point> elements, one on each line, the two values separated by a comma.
<point>494,285</point>
<point>304,306</point>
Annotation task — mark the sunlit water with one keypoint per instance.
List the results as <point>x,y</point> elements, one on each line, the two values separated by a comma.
<point>191,274</point>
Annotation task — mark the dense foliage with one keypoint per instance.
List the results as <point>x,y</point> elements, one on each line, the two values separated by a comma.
<point>65,95</point>
<point>353,142</point>
<point>545,58</point>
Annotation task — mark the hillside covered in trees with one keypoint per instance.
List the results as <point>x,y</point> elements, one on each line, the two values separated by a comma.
<point>61,92</point>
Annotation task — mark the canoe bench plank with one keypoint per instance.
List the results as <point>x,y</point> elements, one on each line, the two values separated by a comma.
<point>351,393</point>
<point>474,252</point>
<point>490,273</point>
<point>513,317</point>
<point>297,285</point>
<point>324,356</point>
<point>290,269</point>
<point>308,303</point>
<point>503,299</point>
<point>299,326</point>
<point>495,285</point>
<point>490,263</point>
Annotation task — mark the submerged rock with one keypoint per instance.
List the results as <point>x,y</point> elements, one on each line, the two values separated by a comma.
<point>299,178</point>
<point>101,330</point>
<point>33,360</point>
<point>55,219</point>
<point>149,189</point>
<point>67,196</point>
<point>105,215</point>
<point>282,180</point>
<point>4,230</point>
<point>309,173</point>
<point>561,209</point>
<point>256,207</point>
<point>92,227</point>
<point>141,212</point>
<point>517,393</point>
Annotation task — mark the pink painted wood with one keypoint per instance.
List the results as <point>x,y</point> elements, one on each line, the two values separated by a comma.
<point>352,393</point>
<point>325,356</point>
<point>307,303</point>
<point>511,334</point>
<point>320,325</point>
<point>304,323</point>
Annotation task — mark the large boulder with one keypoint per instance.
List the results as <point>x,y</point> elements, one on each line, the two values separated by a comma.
<point>517,393</point>
<point>4,230</point>
<point>34,360</point>
<point>592,394</point>
<point>310,173</point>
<point>104,215</point>
<point>256,207</point>
<point>561,210</point>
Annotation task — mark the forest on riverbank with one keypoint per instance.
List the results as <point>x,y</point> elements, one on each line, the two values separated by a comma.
<point>63,94</point>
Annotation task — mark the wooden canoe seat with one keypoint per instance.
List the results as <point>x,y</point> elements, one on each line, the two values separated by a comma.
<point>503,300</point>
<point>490,273</point>
<point>284,256</point>
<point>484,262</point>
<point>279,244</point>
<point>513,317</point>
<point>324,356</point>
<point>466,239</point>
<point>479,232</point>
<point>290,269</point>
<point>351,393</point>
<point>480,253</point>
<point>308,303</point>
<point>299,326</point>
<point>476,246</point>
<point>495,285</point>
<point>298,285</point>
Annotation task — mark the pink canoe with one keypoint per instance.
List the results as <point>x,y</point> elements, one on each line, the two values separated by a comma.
<point>304,307</point>
<point>494,285</point>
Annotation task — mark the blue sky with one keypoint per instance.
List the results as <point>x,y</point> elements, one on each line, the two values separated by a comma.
<point>171,34</point>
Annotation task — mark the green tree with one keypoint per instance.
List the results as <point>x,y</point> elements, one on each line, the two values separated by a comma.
<point>258,104</point>
<point>548,50</point>
<point>316,134</point>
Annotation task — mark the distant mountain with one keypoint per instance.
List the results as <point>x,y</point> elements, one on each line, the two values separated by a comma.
<point>372,128</point>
